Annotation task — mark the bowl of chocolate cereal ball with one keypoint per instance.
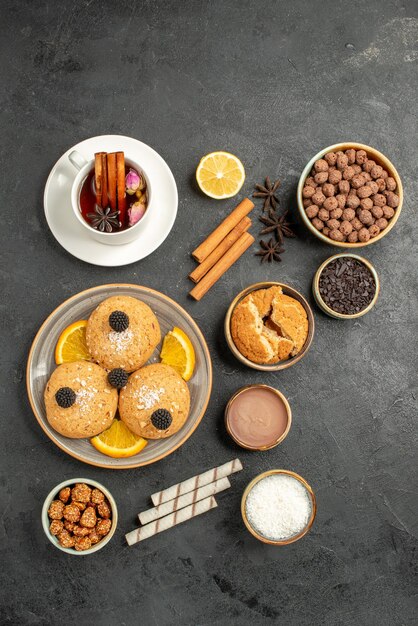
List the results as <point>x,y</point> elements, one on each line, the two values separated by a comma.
<point>79,516</point>
<point>350,195</point>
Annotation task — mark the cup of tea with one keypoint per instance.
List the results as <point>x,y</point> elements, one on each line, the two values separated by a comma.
<point>92,217</point>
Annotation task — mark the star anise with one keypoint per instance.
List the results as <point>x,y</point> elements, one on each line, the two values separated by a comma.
<point>104,219</point>
<point>270,250</point>
<point>268,192</point>
<point>278,224</point>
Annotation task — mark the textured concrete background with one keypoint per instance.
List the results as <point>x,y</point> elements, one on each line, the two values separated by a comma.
<point>273,82</point>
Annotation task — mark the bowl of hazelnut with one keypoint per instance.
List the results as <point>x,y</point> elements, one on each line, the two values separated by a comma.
<point>350,195</point>
<point>79,516</point>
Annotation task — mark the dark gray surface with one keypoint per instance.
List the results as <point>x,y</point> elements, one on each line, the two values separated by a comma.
<point>274,83</point>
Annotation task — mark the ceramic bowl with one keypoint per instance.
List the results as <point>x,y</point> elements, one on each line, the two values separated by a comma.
<point>41,364</point>
<point>281,365</point>
<point>380,159</point>
<point>283,542</point>
<point>317,295</point>
<point>53,495</point>
<point>282,436</point>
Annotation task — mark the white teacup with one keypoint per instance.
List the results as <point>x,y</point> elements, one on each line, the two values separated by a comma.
<point>116,238</point>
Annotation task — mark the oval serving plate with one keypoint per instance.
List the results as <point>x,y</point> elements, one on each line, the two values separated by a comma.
<point>41,363</point>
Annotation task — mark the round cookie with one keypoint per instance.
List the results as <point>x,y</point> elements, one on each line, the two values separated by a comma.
<point>155,403</point>
<point>132,344</point>
<point>88,402</point>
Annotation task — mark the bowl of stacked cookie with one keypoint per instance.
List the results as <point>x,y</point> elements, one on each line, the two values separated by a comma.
<point>350,195</point>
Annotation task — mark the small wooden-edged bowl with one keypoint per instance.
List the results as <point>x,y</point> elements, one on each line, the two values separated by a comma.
<point>53,495</point>
<point>283,542</point>
<point>380,160</point>
<point>280,365</point>
<point>282,436</point>
<point>317,294</point>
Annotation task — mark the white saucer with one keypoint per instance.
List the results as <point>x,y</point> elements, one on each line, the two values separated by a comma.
<point>74,238</point>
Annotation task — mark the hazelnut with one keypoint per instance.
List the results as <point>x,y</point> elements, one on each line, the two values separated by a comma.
<point>64,494</point>
<point>348,214</point>
<point>103,510</point>
<point>382,223</point>
<point>323,215</point>
<point>321,178</point>
<point>82,543</point>
<point>365,217</point>
<point>335,214</point>
<point>56,527</point>
<point>80,505</point>
<point>319,225</point>
<point>351,156</point>
<point>352,201</point>
<point>333,224</point>
<point>103,526</point>
<point>318,198</point>
<point>80,531</point>
<point>69,525</point>
<point>379,199</point>
<point>361,157</point>
<point>328,190</point>
<point>348,173</point>
<point>65,539</point>
<point>341,199</point>
<point>94,537</point>
<point>334,177</point>
<point>376,171</point>
<point>374,230</point>
<point>81,492</point>
<point>89,518</point>
<point>388,212</point>
<point>364,235</point>
<point>344,186</point>
<point>356,224</point>
<point>381,184</point>
<point>331,158</point>
<point>330,204</point>
<point>56,509</point>
<point>377,212</point>
<point>390,183</point>
<point>312,211</point>
<point>346,228</point>
<point>321,165</point>
<point>71,513</point>
<point>336,235</point>
<point>364,192</point>
<point>358,181</point>
<point>366,203</point>
<point>353,237</point>
<point>369,165</point>
<point>392,199</point>
<point>342,162</point>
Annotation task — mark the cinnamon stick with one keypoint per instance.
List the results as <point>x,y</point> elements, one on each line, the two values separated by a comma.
<point>105,200</point>
<point>224,263</point>
<point>98,177</point>
<point>120,185</point>
<point>111,179</point>
<point>215,238</point>
<point>220,250</point>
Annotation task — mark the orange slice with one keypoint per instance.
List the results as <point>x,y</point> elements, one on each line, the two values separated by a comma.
<point>71,345</point>
<point>220,175</point>
<point>178,352</point>
<point>118,441</point>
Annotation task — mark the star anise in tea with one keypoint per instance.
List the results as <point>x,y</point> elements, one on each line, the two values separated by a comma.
<point>104,220</point>
<point>278,224</point>
<point>268,192</point>
<point>270,250</point>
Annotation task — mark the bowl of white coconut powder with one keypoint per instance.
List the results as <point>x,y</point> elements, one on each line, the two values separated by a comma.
<point>278,507</point>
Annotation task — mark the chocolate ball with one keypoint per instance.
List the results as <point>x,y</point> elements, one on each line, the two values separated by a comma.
<point>374,230</point>
<point>390,183</point>
<point>323,215</point>
<point>328,190</point>
<point>336,235</point>
<point>382,223</point>
<point>335,214</point>
<point>334,176</point>
<point>353,237</point>
<point>318,198</point>
<point>365,217</point>
<point>321,178</point>
<point>366,203</point>
<point>344,186</point>
<point>388,212</point>
<point>364,235</point>
<point>308,191</point>
<point>392,199</point>
<point>346,228</point>
<point>312,211</point>
<point>356,224</point>
<point>361,157</point>
<point>364,192</point>
<point>379,199</point>
<point>319,224</point>
<point>351,156</point>
<point>331,158</point>
<point>320,165</point>
<point>348,214</point>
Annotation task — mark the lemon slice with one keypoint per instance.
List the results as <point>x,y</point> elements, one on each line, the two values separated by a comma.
<point>118,441</point>
<point>220,175</point>
<point>178,352</point>
<point>71,345</point>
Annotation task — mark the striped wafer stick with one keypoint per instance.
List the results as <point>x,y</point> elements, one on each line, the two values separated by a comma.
<point>196,481</point>
<point>188,498</point>
<point>164,523</point>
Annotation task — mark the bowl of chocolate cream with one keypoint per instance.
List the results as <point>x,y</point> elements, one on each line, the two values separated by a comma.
<point>258,417</point>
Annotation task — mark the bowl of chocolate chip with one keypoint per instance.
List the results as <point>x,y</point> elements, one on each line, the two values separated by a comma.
<point>350,195</point>
<point>79,516</point>
<point>346,286</point>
